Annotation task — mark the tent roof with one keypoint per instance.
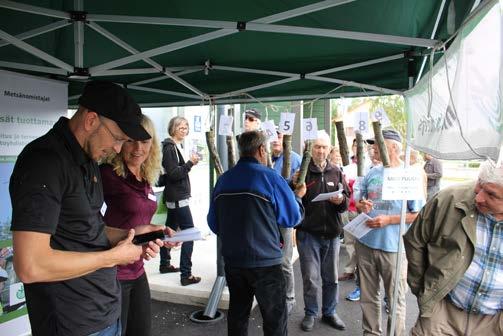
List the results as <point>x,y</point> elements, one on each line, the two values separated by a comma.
<point>186,52</point>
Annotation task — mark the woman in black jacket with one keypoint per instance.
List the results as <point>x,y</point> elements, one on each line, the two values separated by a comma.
<point>176,195</point>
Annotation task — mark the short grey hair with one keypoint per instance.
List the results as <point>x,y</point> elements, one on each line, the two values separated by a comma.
<point>250,142</point>
<point>490,173</point>
<point>174,123</point>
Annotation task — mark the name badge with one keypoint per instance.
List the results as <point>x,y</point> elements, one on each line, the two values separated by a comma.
<point>152,197</point>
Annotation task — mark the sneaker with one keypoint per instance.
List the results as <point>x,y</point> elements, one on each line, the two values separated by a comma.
<point>354,295</point>
<point>334,321</point>
<point>163,269</point>
<point>190,280</point>
<point>307,323</point>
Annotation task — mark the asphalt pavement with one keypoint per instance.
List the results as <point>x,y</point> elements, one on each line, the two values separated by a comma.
<point>173,319</point>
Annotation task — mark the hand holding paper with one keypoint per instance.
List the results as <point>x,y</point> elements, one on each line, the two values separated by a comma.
<point>185,235</point>
<point>358,227</point>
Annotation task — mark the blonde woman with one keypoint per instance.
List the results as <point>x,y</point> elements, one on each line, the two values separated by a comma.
<point>127,187</point>
<point>177,194</point>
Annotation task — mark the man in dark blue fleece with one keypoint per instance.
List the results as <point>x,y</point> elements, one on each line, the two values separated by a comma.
<point>249,205</point>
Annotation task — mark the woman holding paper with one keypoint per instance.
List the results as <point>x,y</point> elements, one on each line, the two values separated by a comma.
<point>127,180</point>
<point>177,194</point>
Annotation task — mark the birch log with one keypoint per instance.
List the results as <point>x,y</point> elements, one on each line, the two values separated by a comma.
<point>306,158</point>
<point>210,141</point>
<point>379,140</point>
<point>287,151</point>
<point>343,144</point>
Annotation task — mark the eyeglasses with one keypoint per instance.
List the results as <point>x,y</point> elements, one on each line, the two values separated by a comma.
<point>117,140</point>
<point>249,118</point>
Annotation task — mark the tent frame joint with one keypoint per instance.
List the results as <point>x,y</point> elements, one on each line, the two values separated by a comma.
<point>241,25</point>
<point>78,16</point>
<point>79,73</point>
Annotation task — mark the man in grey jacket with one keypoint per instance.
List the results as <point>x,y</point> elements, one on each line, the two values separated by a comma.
<point>433,170</point>
<point>455,258</point>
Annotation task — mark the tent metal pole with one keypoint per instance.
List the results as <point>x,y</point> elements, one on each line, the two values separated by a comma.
<point>39,31</point>
<point>217,34</point>
<point>119,72</point>
<point>78,35</point>
<point>256,71</point>
<point>433,33</point>
<point>216,24</point>
<point>315,7</point>
<point>35,51</point>
<point>133,51</point>
<point>267,27</point>
<point>355,84</point>
<point>160,78</point>
<point>34,9</point>
<point>403,214</point>
<point>263,99</point>
<point>358,65</point>
<point>167,92</point>
<point>256,87</point>
<point>342,34</point>
<point>164,49</point>
<point>36,68</point>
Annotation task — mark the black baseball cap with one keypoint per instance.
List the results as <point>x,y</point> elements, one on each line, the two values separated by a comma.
<point>389,134</point>
<point>253,113</point>
<point>113,102</point>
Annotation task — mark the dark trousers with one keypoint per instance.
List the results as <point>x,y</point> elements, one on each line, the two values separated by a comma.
<point>135,314</point>
<point>267,284</point>
<point>180,218</point>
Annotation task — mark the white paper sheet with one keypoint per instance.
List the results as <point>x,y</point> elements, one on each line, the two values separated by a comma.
<point>185,235</point>
<point>357,226</point>
<point>326,196</point>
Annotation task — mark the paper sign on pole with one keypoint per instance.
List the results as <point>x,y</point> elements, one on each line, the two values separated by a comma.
<point>362,123</point>
<point>403,184</point>
<point>381,116</point>
<point>270,130</point>
<point>225,125</point>
<point>310,128</point>
<point>286,123</point>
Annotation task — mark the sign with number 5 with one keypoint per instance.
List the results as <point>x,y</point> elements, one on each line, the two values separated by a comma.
<point>286,123</point>
<point>310,128</point>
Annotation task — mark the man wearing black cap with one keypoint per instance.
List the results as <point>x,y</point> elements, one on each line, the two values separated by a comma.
<point>64,253</point>
<point>252,120</point>
<point>376,252</point>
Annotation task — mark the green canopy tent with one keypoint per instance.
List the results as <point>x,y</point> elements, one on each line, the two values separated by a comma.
<point>173,53</point>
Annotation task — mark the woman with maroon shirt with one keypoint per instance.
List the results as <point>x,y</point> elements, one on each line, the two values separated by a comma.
<point>127,186</point>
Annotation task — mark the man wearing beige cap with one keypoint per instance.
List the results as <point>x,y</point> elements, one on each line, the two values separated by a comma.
<point>63,251</point>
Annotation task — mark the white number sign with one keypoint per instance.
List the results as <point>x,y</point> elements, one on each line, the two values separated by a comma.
<point>286,123</point>
<point>362,122</point>
<point>270,130</point>
<point>310,128</point>
<point>381,116</point>
<point>225,126</point>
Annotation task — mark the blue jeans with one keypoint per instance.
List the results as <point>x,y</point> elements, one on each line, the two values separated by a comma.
<point>111,330</point>
<point>319,258</point>
<point>267,284</point>
<point>180,218</point>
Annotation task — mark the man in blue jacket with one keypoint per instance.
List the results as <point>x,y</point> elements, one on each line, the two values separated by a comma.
<point>249,205</point>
